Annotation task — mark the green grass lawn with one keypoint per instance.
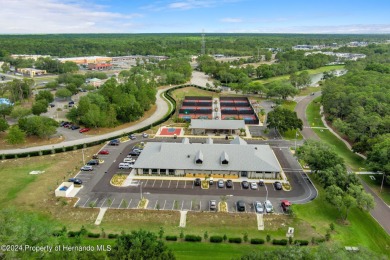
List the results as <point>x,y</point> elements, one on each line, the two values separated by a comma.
<point>315,71</point>
<point>313,116</point>
<point>306,91</point>
<point>180,93</point>
<point>362,229</point>
<point>375,185</point>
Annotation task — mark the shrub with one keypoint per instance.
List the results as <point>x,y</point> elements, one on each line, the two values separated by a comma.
<point>268,238</point>
<point>281,242</point>
<point>216,239</point>
<point>237,240</point>
<point>171,238</point>
<point>73,233</point>
<point>93,235</point>
<point>257,241</point>
<point>192,238</point>
<point>112,236</point>
<point>301,242</point>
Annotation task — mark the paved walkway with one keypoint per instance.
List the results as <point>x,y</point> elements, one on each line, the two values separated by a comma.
<point>100,216</point>
<point>381,212</point>
<point>260,221</point>
<point>183,218</point>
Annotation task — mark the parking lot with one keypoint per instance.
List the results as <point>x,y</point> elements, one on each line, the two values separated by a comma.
<point>173,194</point>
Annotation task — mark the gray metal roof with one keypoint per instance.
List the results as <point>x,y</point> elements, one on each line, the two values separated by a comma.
<point>238,140</point>
<point>216,124</point>
<point>183,156</point>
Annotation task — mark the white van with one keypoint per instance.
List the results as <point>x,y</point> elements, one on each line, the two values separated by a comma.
<point>125,166</point>
<point>128,160</point>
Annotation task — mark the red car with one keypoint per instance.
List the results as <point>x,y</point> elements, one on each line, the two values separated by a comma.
<point>285,205</point>
<point>104,152</point>
<point>83,130</point>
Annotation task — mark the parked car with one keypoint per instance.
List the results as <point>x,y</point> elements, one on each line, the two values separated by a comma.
<point>93,162</point>
<point>213,204</point>
<point>68,125</point>
<point>211,180</point>
<point>76,181</point>
<point>221,183</point>
<point>125,166</point>
<point>134,153</point>
<point>71,102</point>
<point>83,130</point>
<point>52,105</point>
<point>253,185</point>
<point>285,204</point>
<point>86,168</point>
<point>114,142</point>
<point>132,136</point>
<point>261,183</point>
<point>197,182</point>
<point>74,127</point>
<point>278,185</point>
<point>104,152</point>
<point>145,135</point>
<point>240,205</point>
<point>137,150</point>
<point>268,206</point>
<point>63,123</point>
<point>245,184</point>
<point>129,160</point>
<point>259,208</point>
<point>229,183</point>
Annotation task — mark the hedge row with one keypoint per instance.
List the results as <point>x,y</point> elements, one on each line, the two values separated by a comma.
<point>257,241</point>
<point>216,239</point>
<point>171,238</point>
<point>281,242</point>
<point>74,233</point>
<point>112,236</point>
<point>237,240</point>
<point>301,242</point>
<point>192,238</point>
<point>93,235</point>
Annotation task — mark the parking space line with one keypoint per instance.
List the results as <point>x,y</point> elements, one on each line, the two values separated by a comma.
<point>120,204</point>
<point>129,203</point>
<point>145,183</point>
<point>112,202</point>
<point>233,186</point>
<point>155,206</point>
<point>165,202</point>
<point>161,183</point>
<point>86,202</point>
<point>173,205</point>
<point>153,183</point>
<point>177,184</point>
<point>103,202</point>
<point>192,184</point>
<point>182,204</point>
<point>185,184</point>
<point>169,184</point>
<point>94,203</point>
<point>191,205</point>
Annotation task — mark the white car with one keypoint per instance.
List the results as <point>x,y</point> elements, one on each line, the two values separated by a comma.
<point>128,160</point>
<point>125,166</point>
<point>87,168</point>
<point>258,207</point>
<point>145,135</point>
<point>268,206</point>
<point>253,185</point>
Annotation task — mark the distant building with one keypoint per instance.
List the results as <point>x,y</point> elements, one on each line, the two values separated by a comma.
<point>31,72</point>
<point>99,66</point>
<point>201,126</point>
<point>95,82</point>
<point>87,60</point>
<point>28,56</point>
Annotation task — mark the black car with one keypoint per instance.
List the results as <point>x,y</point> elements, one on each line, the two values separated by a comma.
<point>245,184</point>
<point>63,123</point>
<point>52,105</point>
<point>261,182</point>
<point>278,185</point>
<point>197,182</point>
<point>114,142</point>
<point>74,127</point>
<point>240,205</point>
<point>93,162</point>
<point>229,184</point>
<point>134,153</point>
<point>76,181</point>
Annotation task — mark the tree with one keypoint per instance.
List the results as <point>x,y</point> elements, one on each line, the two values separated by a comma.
<point>39,107</point>
<point>3,125</point>
<point>379,157</point>
<point>45,95</point>
<point>63,93</point>
<point>140,245</point>
<point>5,67</point>
<point>283,119</point>
<point>5,109</point>
<point>15,135</point>
<point>281,89</point>
<point>40,126</point>
<point>19,112</point>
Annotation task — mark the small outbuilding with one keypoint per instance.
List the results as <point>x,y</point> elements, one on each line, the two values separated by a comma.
<point>202,126</point>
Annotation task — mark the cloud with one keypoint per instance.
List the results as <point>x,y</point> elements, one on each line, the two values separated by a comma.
<point>56,16</point>
<point>231,20</point>
<point>186,4</point>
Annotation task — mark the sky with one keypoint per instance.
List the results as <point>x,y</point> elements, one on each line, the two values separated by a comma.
<point>194,16</point>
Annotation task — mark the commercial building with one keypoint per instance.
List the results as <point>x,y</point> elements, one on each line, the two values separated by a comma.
<point>100,66</point>
<point>234,160</point>
<point>87,60</point>
<point>32,72</point>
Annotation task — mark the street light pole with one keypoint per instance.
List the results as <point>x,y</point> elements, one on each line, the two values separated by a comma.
<point>383,180</point>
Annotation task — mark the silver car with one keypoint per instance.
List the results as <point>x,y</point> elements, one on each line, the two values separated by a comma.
<point>258,206</point>
<point>268,206</point>
<point>221,183</point>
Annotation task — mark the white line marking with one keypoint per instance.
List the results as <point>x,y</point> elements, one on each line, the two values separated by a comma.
<point>169,184</point>
<point>86,202</point>
<point>120,204</point>
<point>165,202</point>
<point>153,183</point>
<point>177,184</point>
<point>129,203</point>
<point>161,183</point>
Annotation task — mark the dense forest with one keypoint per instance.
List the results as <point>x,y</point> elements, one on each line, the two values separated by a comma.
<point>358,105</point>
<point>69,45</point>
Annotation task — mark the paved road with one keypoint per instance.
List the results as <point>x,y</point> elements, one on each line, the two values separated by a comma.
<point>381,212</point>
<point>162,109</point>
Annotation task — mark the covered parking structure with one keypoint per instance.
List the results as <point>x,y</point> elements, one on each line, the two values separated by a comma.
<point>201,127</point>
